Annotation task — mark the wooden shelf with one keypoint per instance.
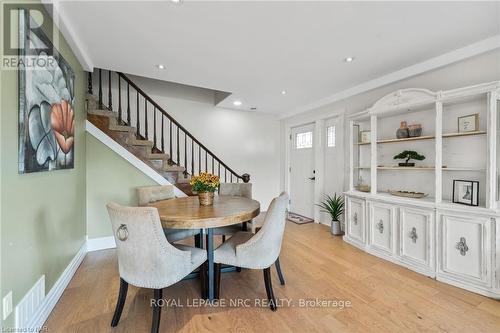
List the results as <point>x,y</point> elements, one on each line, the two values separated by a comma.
<point>421,168</point>
<point>426,137</point>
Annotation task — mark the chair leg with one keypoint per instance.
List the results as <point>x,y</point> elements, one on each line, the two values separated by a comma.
<point>223,238</point>
<point>269,289</point>
<point>280,273</point>
<point>217,280</point>
<point>197,241</point>
<point>238,269</point>
<point>203,281</point>
<point>155,325</point>
<point>122,296</point>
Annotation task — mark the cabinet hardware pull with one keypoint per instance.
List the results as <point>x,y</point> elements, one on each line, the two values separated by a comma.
<point>355,218</point>
<point>380,226</point>
<point>122,232</point>
<point>413,234</point>
<point>462,246</point>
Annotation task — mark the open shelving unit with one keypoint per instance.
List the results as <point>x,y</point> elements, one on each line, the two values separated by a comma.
<point>450,154</point>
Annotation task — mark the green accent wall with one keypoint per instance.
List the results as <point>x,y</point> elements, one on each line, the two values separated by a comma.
<point>42,215</point>
<point>109,178</point>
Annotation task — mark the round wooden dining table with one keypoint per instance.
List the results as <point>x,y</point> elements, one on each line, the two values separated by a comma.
<point>187,213</point>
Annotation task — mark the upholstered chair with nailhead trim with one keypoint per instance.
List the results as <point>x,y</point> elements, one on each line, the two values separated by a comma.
<point>151,194</point>
<point>146,259</point>
<point>256,251</point>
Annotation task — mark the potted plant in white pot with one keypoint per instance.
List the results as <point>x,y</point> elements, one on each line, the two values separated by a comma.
<point>334,206</point>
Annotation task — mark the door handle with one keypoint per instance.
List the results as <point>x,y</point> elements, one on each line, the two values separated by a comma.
<point>312,178</point>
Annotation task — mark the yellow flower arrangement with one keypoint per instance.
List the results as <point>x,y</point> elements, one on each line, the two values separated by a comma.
<point>205,182</point>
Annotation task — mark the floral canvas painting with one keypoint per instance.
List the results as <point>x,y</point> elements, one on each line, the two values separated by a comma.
<point>46,99</point>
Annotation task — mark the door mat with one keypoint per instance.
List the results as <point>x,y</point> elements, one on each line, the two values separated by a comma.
<point>298,219</point>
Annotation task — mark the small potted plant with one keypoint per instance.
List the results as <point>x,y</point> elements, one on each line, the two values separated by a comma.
<point>334,206</point>
<point>205,185</point>
<point>408,155</point>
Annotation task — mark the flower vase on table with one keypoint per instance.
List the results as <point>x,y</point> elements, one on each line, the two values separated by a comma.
<point>205,185</point>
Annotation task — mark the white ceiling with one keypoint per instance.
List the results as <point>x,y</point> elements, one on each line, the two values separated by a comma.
<point>257,49</point>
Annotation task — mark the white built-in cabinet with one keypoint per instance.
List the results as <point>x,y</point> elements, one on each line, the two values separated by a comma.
<point>451,242</point>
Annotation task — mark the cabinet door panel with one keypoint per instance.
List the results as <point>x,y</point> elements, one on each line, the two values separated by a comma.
<point>415,236</point>
<point>465,247</point>
<point>356,223</point>
<point>381,226</point>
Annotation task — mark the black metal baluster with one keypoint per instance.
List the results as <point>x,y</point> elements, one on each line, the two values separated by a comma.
<point>206,161</point>
<point>192,156</point>
<point>231,177</point>
<point>213,164</point>
<point>89,87</point>
<point>185,153</point>
<point>170,142</point>
<point>138,118</point>
<point>110,97</point>
<point>100,91</point>
<point>218,171</point>
<point>225,175</point>
<point>119,100</point>
<point>154,126</point>
<point>129,123</point>
<point>178,148</point>
<point>146,118</point>
<point>162,136</point>
<point>199,159</point>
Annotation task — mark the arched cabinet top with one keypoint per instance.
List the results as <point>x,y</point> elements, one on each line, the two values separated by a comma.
<point>402,99</point>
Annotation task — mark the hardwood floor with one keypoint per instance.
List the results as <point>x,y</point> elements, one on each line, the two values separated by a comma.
<point>316,265</point>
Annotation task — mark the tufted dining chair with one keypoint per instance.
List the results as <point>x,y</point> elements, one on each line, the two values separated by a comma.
<point>256,251</point>
<point>145,258</point>
<point>235,189</point>
<point>150,194</point>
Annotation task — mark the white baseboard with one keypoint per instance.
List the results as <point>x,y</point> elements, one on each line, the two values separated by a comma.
<point>102,243</point>
<point>35,324</point>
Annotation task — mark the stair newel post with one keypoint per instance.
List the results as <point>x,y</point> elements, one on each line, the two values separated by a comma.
<point>154,127</point>
<point>178,148</point>
<point>162,136</point>
<point>89,83</point>
<point>100,90</point>
<point>119,99</point>
<point>171,158</point>
<point>146,118</point>
<point>128,104</point>
<point>192,156</point>
<point>110,96</point>
<point>138,117</point>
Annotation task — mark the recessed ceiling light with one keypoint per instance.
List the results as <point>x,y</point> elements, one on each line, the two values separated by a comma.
<point>283,92</point>
<point>160,66</point>
<point>349,59</point>
<point>176,1</point>
<point>237,103</point>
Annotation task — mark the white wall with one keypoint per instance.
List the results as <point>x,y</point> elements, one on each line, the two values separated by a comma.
<point>475,70</point>
<point>247,141</point>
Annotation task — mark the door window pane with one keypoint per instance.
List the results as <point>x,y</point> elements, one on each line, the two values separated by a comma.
<point>330,136</point>
<point>304,140</point>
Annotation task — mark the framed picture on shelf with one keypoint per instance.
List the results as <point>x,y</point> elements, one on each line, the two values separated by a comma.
<point>468,123</point>
<point>364,136</point>
<point>466,192</point>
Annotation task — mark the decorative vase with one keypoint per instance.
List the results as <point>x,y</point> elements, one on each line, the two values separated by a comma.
<point>206,198</point>
<point>335,228</point>
<point>415,130</point>
<point>402,132</point>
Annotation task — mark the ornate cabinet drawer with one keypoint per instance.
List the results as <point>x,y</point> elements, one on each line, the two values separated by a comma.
<point>381,227</point>
<point>355,226</point>
<point>465,248</point>
<point>416,239</point>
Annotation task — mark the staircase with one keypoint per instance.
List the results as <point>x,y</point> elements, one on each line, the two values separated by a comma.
<point>146,130</point>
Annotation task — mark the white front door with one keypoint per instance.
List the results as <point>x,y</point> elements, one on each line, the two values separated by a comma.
<point>302,171</point>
